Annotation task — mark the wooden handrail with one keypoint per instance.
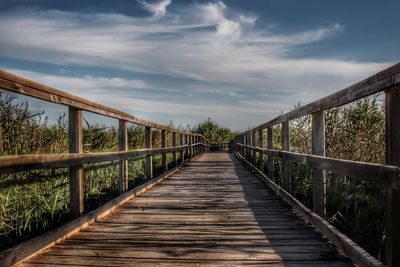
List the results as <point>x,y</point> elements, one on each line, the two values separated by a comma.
<point>384,175</point>
<point>75,159</point>
<point>17,84</point>
<point>372,85</point>
<point>388,175</point>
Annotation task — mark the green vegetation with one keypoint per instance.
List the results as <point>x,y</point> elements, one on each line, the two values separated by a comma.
<point>213,132</point>
<point>34,201</point>
<point>354,132</point>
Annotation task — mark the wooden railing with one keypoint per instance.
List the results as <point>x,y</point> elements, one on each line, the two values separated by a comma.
<point>189,144</point>
<point>387,176</point>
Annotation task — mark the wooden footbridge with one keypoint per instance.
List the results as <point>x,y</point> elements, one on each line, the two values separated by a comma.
<point>211,208</point>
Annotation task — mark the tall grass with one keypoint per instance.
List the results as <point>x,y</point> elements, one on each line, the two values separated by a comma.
<point>32,202</point>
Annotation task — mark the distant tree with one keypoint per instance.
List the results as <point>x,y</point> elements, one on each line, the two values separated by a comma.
<point>214,132</point>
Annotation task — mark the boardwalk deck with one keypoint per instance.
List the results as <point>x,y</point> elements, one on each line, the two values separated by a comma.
<point>213,212</point>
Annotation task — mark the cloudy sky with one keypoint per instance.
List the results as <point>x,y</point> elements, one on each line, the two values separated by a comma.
<point>239,62</point>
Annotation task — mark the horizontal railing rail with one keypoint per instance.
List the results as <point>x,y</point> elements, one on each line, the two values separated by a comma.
<point>252,150</point>
<point>20,85</point>
<point>190,144</point>
<point>10,164</point>
<point>383,175</point>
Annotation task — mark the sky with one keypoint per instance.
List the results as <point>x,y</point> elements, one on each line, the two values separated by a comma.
<point>238,62</point>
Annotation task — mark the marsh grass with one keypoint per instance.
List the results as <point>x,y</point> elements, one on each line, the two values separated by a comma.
<point>35,201</point>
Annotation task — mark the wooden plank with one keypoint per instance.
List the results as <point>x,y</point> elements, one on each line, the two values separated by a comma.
<point>270,145</point>
<point>319,176</point>
<point>181,143</point>
<point>30,248</point>
<point>213,211</point>
<point>286,164</point>
<point>384,175</point>
<point>164,145</point>
<point>17,84</point>
<point>42,161</point>
<point>75,172</point>
<point>149,158</point>
<point>392,230</point>
<point>357,254</point>
<point>123,164</point>
<point>173,143</point>
<point>260,163</point>
<point>254,153</point>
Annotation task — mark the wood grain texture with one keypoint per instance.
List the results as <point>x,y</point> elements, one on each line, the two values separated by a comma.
<point>123,164</point>
<point>213,212</point>
<point>357,254</point>
<point>319,175</point>
<point>148,135</point>
<point>384,175</point>
<point>392,230</point>
<point>75,172</point>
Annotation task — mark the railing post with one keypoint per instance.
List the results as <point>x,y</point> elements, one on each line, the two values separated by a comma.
<point>149,158</point>
<point>246,150</point>
<point>254,153</point>
<point>75,172</point>
<point>260,144</point>
<point>286,164</point>
<point>190,148</point>
<point>319,176</point>
<point>270,145</point>
<point>123,164</point>
<point>392,231</point>
<point>164,145</point>
<point>182,151</point>
<point>173,143</point>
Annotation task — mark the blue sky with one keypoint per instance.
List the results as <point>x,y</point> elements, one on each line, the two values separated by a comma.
<point>239,62</point>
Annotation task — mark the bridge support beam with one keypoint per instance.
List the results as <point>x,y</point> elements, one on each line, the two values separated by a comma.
<point>149,158</point>
<point>319,176</point>
<point>123,164</point>
<point>392,231</point>
<point>75,172</point>
<point>286,164</point>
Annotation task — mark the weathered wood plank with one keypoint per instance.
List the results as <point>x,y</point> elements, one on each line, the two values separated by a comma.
<point>42,161</point>
<point>209,212</point>
<point>75,172</point>
<point>385,175</point>
<point>173,143</point>
<point>319,176</point>
<point>164,145</point>
<point>30,248</point>
<point>123,164</point>
<point>286,181</point>
<point>149,158</point>
<point>392,230</point>
<point>357,254</point>
<point>270,145</point>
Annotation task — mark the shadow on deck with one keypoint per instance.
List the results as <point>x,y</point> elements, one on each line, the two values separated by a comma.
<point>213,212</point>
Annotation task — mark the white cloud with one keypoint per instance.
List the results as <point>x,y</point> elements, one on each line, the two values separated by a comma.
<point>207,45</point>
<point>157,9</point>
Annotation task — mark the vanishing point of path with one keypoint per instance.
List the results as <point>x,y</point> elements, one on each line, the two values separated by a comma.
<point>212,212</point>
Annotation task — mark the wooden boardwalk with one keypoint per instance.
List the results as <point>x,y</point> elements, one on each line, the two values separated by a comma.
<point>213,212</point>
